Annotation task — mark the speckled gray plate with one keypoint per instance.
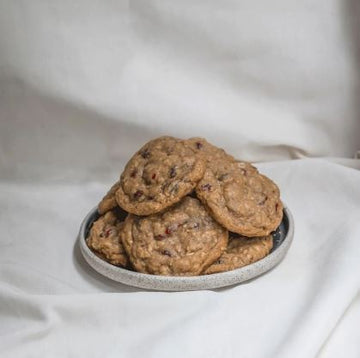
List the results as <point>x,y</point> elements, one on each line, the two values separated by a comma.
<point>282,239</point>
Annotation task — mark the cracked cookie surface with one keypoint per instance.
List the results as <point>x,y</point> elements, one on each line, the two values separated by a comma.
<point>241,251</point>
<point>182,241</point>
<point>159,175</point>
<point>104,239</point>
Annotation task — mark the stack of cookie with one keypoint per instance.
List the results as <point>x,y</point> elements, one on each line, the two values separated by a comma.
<point>185,208</point>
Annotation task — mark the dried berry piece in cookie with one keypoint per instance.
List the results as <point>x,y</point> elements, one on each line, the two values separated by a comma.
<point>104,239</point>
<point>241,251</point>
<point>159,175</point>
<point>109,202</point>
<point>241,199</point>
<point>180,241</point>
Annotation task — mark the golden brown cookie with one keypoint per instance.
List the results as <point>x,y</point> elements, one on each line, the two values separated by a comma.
<point>241,251</point>
<point>159,175</point>
<point>214,155</point>
<point>109,202</point>
<point>104,239</point>
<point>240,198</point>
<point>209,152</point>
<point>181,241</point>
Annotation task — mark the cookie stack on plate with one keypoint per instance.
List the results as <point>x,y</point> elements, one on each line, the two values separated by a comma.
<point>185,208</point>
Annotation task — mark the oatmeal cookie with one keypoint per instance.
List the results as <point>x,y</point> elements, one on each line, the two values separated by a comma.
<point>159,175</point>
<point>104,239</point>
<point>241,251</point>
<point>241,199</point>
<point>181,241</point>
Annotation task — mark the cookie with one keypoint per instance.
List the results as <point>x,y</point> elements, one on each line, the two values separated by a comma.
<point>109,202</point>
<point>241,199</point>
<point>104,239</point>
<point>241,251</point>
<point>181,241</point>
<point>159,175</point>
<point>209,152</point>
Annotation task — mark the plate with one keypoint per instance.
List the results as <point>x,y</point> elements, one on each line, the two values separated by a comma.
<point>282,238</point>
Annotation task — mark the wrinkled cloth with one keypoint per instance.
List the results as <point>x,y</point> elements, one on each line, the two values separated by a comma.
<point>53,304</point>
<point>83,84</point>
<point>267,80</point>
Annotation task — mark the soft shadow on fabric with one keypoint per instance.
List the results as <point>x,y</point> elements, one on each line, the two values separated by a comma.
<point>94,278</point>
<point>351,23</point>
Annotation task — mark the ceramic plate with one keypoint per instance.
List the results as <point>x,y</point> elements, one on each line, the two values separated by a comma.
<point>282,240</point>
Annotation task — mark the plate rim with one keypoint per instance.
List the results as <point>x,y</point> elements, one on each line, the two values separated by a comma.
<point>185,283</point>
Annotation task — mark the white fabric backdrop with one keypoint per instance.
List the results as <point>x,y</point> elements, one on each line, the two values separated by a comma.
<point>83,84</point>
<point>53,305</point>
